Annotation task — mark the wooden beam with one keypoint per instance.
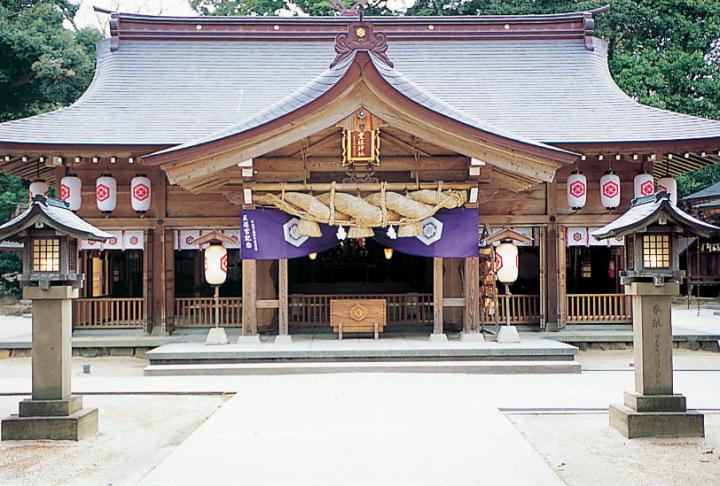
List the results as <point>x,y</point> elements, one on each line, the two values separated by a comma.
<point>336,135</point>
<point>395,140</point>
<point>437,295</point>
<point>366,187</point>
<point>283,297</point>
<point>471,317</point>
<point>333,164</point>
<point>249,298</point>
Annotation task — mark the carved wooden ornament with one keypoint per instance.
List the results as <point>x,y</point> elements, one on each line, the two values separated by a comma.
<point>361,37</point>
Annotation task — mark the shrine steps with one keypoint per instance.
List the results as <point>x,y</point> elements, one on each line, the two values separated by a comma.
<point>324,354</point>
<point>297,368</point>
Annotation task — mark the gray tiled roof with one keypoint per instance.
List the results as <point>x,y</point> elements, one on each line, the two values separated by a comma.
<point>55,215</point>
<point>320,85</point>
<point>646,211</point>
<point>175,92</point>
<point>710,191</point>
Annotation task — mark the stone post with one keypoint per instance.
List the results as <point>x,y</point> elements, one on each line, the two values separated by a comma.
<point>53,412</point>
<point>653,410</point>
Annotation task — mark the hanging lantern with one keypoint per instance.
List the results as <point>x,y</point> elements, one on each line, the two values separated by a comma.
<point>610,190</point>
<point>506,262</point>
<point>38,188</point>
<point>106,193</point>
<point>388,253</point>
<point>669,185</point>
<point>215,264</point>
<point>576,190</point>
<point>140,192</point>
<point>71,191</point>
<point>312,256</point>
<point>644,185</point>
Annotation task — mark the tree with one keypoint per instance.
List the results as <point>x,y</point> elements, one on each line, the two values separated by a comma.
<point>43,66</point>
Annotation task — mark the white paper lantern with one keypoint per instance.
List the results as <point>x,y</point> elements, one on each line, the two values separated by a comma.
<point>71,191</point>
<point>140,192</point>
<point>610,190</point>
<point>106,193</point>
<point>576,190</point>
<point>506,262</point>
<point>669,185</point>
<point>644,185</point>
<point>215,264</point>
<point>38,188</point>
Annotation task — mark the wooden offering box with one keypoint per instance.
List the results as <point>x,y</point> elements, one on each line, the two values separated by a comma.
<point>366,315</point>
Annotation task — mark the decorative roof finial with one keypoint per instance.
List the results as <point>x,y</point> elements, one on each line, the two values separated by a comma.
<point>356,10</point>
<point>360,36</point>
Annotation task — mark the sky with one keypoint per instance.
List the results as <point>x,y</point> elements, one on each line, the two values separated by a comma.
<point>86,17</point>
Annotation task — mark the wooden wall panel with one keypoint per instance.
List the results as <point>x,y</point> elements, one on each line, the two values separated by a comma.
<point>496,201</point>
<point>182,203</point>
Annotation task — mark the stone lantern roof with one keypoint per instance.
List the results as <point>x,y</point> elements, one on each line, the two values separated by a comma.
<point>52,214</point>
<point>652,209</point>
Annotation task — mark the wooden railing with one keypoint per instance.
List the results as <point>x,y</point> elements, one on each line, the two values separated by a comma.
<point>200,311</point>
<point>598,308</point>
<point>108,312</point>
<point>524,309</point>
<point>314,310</point>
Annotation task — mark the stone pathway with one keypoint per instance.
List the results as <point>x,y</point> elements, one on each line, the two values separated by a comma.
<point>355,430</point>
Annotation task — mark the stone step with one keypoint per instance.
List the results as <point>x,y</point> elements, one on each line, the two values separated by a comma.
<point>467,367</point>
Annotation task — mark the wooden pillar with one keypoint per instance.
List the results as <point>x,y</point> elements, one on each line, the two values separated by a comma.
<point>158,278</point>
<point>562,277</point>
<point>453,288</point>
<point>249,298</point>
<point>437,295</point>
<point>554,262</point>
<point>283,297</point>
<point>169,251</point>
<point>148,281</point>
<point>266,289</point>
<point>472,294</point>
<point>542,276</point>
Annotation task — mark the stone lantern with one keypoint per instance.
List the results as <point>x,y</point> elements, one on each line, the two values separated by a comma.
<point>652,228</point>
<point>49,232</point>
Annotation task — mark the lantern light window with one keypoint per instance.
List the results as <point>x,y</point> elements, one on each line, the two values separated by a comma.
<point>46,255</point>
<point>656,251</point>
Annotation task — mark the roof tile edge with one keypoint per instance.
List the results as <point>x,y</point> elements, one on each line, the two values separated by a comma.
<point>137,27</point>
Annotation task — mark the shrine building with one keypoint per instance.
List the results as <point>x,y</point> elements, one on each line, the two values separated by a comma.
<point>347,157</point>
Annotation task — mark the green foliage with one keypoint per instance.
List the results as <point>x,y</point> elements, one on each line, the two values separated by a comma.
<point>43,66</point>
<point>700,179</point>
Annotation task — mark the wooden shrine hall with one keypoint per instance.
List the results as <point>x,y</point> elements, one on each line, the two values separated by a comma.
<point>353,158</point>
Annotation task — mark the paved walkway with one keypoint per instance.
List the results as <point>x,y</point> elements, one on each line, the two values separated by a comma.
<point>381,430</point>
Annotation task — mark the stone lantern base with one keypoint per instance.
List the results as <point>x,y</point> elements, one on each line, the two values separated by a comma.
<point>653,410</point>
<point>51,420</point>
<point>52,413</point>
<point>655,416</point>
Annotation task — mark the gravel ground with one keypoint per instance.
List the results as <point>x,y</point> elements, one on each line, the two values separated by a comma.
<point>136,433</point>
<point>584,450</point>
<point>111,366</point>
<point>683,359</point>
